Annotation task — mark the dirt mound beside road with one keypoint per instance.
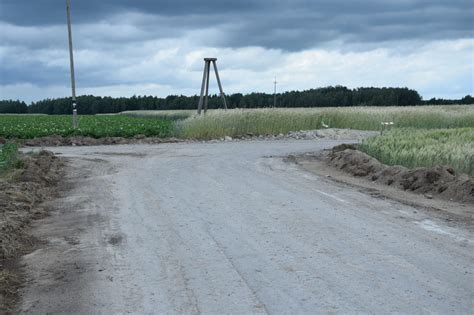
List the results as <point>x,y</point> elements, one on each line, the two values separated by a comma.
<point>320,134</point>
<point>438,180</point>
<point>22,193</point>
<point>54,141</point>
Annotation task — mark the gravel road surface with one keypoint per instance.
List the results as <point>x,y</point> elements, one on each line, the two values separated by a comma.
<point>230,227</point>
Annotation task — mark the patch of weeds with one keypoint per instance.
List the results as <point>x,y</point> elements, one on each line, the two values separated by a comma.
<point>10,157</point>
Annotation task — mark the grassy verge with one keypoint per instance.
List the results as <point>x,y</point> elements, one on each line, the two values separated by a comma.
<point>424,147</point>
<point>33,126</point>
<point>9,281</point>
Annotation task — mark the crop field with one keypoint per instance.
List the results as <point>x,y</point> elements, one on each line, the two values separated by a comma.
<point>235,122</point>
<point>424,147</point>
<point>240,122</point>
<point>32,126</point>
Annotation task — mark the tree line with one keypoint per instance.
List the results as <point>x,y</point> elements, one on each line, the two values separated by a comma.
<point>321,97</point>
<point>13,107</point>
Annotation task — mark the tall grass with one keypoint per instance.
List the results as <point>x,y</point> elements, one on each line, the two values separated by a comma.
<point>9,156</point>
<point>239,122</point>
<point>160,114</point>
<point>424,147</point>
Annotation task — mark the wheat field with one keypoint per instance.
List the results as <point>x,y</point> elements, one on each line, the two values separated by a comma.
<point>412,147</point>
<point>240,122</point>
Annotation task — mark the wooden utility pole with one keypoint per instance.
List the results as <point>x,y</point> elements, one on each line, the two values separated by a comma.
<point>71,63</point>
<point>204,98</point>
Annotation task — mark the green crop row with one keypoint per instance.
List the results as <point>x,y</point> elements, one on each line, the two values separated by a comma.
<point>32,126</point>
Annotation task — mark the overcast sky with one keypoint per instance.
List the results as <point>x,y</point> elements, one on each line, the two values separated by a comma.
<point>156,47</point>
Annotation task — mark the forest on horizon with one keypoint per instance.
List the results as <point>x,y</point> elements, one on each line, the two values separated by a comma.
<point>331,96</point>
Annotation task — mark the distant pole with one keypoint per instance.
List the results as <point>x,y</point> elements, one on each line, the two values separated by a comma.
<point>275,93</point>
<point>71,63</point>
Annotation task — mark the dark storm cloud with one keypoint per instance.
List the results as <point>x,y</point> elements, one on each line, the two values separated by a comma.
<point>288,25</point>
<point>47,12</point>
<point>125,42</point>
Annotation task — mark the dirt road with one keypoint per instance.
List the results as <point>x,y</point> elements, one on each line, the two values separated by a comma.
<point>227,228</point>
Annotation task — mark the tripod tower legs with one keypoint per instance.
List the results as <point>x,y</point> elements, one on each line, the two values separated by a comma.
<point>219,83</point>
<point>204,98</point>
<point>203,87</point>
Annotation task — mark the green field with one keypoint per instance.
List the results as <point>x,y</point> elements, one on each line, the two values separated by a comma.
<point>235,122</point>
<point>32,126</point>
<point>424,147</point>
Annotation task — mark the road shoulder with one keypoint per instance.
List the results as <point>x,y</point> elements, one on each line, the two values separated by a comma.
<point>450,211</point>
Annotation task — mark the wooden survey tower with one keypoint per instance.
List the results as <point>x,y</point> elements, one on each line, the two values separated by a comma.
<point>203,99</point>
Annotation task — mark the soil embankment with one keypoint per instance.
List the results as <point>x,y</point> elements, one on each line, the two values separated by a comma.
<point>22,194</point>
<point>54,141</point>
<point>320,134</point>
<point>438,181</point>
